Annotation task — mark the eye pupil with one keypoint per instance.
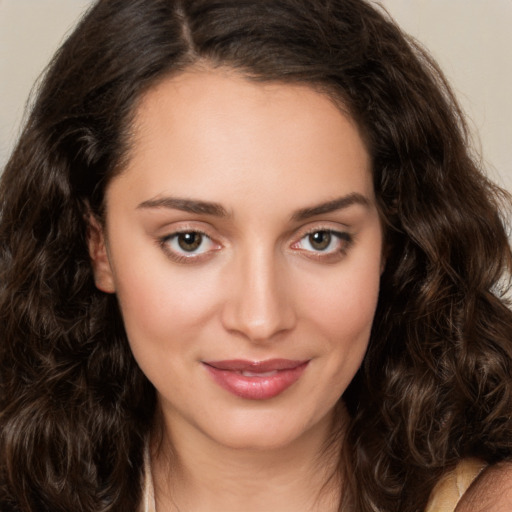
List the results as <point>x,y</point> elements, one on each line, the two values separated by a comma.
<point>320,240</point>
<point>189,241</point>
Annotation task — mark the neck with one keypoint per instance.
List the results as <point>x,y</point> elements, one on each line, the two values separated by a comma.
<point>192,472</point>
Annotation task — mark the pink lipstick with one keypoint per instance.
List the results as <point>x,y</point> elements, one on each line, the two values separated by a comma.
<point>256,380</point>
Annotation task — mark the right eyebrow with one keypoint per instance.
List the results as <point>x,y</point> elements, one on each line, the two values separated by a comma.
<point>186,205</point>
<point>331,206</point>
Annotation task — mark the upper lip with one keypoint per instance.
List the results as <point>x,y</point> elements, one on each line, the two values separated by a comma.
<point>269,365</point>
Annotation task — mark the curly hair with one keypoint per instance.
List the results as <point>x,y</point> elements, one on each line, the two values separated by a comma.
<point>436,383</point>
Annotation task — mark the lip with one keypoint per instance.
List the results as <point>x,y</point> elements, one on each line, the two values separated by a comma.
<point>256,380</point>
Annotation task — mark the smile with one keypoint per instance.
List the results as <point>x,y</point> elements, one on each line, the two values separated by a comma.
<point>256,380</point>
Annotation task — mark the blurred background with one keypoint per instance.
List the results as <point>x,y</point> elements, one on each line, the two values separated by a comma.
<point>471,40</point>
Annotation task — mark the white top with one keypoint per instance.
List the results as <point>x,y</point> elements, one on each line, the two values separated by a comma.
<point>148,493</point>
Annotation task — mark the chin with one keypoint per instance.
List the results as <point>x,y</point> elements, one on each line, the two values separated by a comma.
<point>269,432</point>
<point>257,441</point>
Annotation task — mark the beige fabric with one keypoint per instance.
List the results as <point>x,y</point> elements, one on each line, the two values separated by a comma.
<point>444,498</point>
<point>449,490</point>
<point>148,495</point>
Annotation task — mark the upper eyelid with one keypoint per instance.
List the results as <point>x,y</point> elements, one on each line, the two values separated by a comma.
<point>342,235</point>
<point>170,230</point>
<point>324,228</point>
<point>182,231</point>
<point>309,229</point>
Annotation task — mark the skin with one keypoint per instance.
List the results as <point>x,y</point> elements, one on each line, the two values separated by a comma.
<point>255,289</point>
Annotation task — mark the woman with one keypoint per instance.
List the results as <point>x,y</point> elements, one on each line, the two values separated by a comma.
<point>248,264</point>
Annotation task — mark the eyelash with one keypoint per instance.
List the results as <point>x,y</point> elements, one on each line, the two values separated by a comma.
<point>345,241</point>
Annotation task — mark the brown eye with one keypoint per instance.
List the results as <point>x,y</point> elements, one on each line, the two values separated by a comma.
<point>320,240</point>
<point>324,244</point>
<point>189,246</point>
<point>189,242</point>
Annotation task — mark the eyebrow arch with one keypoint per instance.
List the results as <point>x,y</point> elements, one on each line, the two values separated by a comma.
<point>331,206</point>
<point>186,205</point>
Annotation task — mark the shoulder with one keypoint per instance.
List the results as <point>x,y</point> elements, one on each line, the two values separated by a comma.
<point>490,492</point>
<point>453,484</point>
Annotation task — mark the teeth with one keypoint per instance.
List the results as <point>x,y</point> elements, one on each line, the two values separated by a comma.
<point>253,374</point>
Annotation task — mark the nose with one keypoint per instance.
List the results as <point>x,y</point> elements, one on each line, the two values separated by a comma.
<point>259,303</point>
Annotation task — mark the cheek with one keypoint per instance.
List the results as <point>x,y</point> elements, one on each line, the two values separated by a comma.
<point>344,316</point>
<point>162,321</point>
<point>344,306</point>
<point>163,307</point>
<point>340,314</point>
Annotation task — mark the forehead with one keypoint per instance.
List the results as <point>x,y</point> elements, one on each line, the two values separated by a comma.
<point>205,127</point>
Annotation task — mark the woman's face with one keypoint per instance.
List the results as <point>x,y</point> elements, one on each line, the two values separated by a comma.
<point>245,249</point>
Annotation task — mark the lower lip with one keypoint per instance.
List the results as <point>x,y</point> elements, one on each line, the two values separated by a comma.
<point>256,388</point>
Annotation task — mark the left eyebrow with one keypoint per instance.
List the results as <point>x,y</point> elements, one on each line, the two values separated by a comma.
<point>186,205</point>
<point>331,206</point>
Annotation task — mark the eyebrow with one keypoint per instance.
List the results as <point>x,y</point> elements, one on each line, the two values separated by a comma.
<point>210,208</point>
<point>331,206</point>
<point>186,205</point>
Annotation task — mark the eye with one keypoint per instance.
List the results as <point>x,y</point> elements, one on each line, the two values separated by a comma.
<point>189,242</point>
<point>324,242</point>
<point>319,240</point>
<point>188,245</point>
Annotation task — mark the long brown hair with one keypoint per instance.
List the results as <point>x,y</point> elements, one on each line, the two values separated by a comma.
<point>435,385</point>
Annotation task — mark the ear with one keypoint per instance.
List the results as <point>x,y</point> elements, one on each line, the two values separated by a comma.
<point>103,276</point>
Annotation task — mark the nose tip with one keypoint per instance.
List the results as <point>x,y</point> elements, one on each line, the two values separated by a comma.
<point>259,307</point>
<point>259,329</point>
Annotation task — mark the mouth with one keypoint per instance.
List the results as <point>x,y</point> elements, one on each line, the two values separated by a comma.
<point>256,380</point>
